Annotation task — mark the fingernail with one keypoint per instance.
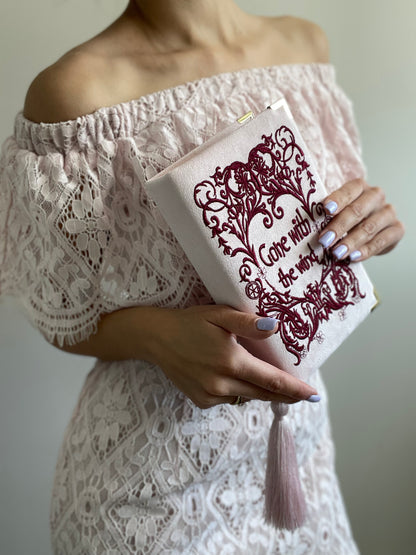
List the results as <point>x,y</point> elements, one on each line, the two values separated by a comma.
<point>331,206</point>
<point>355,254</point>
<point>340,251</point>
<point>327,239</point>
<point>266,324</point>
<point>314,399</point>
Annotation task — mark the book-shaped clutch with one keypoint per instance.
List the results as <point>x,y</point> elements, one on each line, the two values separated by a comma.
<point>246,207</point>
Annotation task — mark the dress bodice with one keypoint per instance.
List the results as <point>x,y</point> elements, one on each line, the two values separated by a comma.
<point>78,235</point>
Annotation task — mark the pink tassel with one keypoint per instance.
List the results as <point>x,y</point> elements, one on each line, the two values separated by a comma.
<point>285,505</point>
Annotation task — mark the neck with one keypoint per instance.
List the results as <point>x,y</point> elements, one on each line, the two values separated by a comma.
<point>184,24</point>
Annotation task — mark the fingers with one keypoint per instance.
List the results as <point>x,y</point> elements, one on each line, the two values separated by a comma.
<point>360,208</point>
<point>345,195</point>
<point>226,390</point>
<point>363,224</point>
<point>230,389</point>
<point>242,324</point>
<point>251,378</point>
<point>362,202</point>
<point>375,235</point>
<point>382,243</point>
<point>272,380</point>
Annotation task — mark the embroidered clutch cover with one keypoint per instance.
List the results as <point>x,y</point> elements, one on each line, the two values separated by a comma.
<point>246,208</point>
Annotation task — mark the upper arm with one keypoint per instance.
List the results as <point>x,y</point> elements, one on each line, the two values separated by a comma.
<point>61,92</point>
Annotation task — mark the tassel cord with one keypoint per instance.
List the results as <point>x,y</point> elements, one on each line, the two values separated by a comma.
<point>285,505</point>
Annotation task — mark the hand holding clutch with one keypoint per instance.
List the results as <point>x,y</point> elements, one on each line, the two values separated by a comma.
<point>198,351</point>
<point>363,225</point>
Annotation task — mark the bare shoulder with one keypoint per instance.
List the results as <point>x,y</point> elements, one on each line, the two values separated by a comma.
<point>64,90</point>
<point>307,40</point>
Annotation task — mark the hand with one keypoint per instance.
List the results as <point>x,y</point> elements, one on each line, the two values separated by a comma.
<point>198,350</point>
<point>361,214</point>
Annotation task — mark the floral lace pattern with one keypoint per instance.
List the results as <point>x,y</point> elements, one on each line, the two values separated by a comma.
<point>141,469</point>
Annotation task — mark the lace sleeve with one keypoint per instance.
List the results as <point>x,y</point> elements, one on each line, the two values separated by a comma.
<point>75,239</point>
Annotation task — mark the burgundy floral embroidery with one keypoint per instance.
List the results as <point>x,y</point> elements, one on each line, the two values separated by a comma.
<point>230,201</point>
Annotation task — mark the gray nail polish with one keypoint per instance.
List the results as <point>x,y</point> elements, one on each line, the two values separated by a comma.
<point>331,206</point>
<point>266,324</point>
<point>340,251</point>
<point>355,254</point>
<point>314,399</point>
<point>327,239</point>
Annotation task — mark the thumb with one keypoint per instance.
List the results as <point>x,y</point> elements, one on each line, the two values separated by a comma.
<point>242,324</point>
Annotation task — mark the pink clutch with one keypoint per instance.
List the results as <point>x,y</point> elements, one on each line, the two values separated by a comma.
<point>246,207</point>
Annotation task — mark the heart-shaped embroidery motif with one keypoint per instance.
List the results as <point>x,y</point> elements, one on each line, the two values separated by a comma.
<point>276,183</point>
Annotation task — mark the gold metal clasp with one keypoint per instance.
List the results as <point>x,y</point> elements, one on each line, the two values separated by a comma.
<point>246,117</point>
<point>378,299</point>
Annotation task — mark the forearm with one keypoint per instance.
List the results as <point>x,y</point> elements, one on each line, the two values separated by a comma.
<point>128,333</point>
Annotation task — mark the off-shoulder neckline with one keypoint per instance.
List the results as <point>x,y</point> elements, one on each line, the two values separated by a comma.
<point>175,89</point>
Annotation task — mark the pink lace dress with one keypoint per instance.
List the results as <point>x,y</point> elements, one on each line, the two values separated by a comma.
<point>141,469</point>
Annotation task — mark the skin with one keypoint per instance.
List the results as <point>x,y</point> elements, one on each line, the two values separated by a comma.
<point>157,44</point>
<point>130,59</point>
<point>363,221</point>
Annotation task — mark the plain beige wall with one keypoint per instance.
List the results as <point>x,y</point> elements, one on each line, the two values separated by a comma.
<point>371,379</point>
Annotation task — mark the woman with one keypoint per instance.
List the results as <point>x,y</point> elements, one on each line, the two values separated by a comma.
<point>156,458</point>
